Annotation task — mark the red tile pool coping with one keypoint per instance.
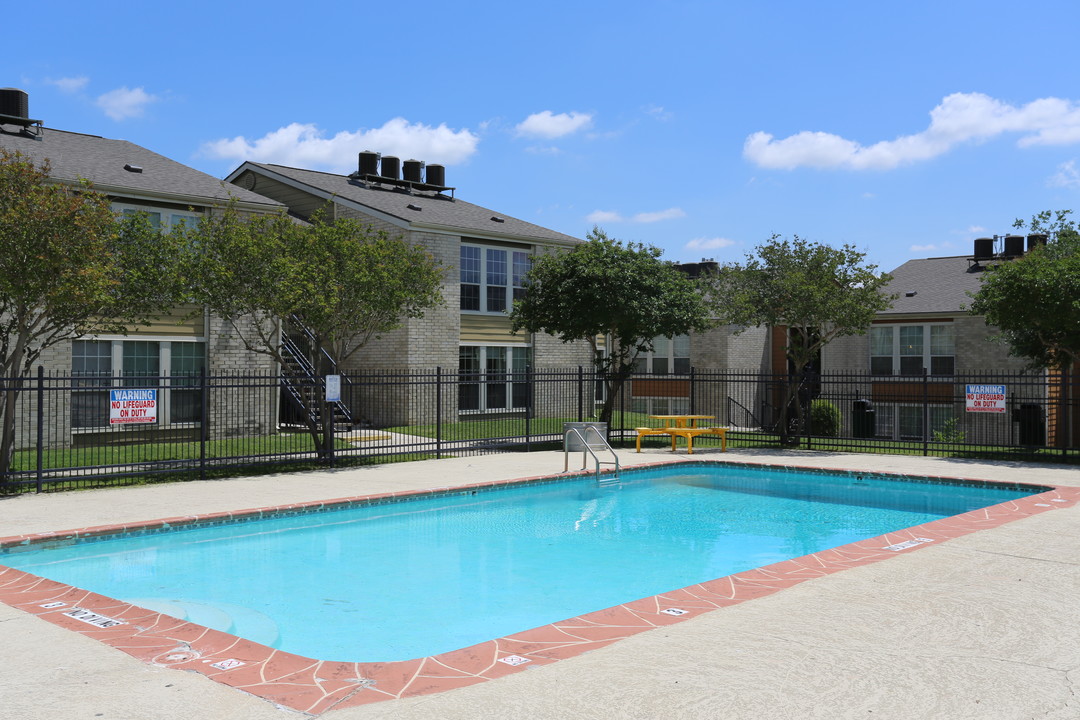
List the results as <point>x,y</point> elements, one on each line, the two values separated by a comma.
<point>316,686</point>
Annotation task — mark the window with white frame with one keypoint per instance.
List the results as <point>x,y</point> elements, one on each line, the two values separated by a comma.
<point>669,355</point>
<point>906,422</point>
<point>173,366</point>
<point>907,349</point>
<point>160,218</point>
<point>491,278</point>
<point>492,378</point>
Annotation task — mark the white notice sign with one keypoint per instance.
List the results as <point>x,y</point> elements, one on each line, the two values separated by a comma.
<point>985,398</point>
<point>333,388</point>
<point>138,405</point>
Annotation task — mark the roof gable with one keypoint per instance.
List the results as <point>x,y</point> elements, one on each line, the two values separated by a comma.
<point>74,157</point>
<point>416,210</point>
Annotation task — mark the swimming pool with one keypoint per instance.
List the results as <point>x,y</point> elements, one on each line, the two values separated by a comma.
<point>403,580</point>
<point>313,686</point>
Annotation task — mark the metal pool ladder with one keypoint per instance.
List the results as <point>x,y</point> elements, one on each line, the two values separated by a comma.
<point>587,438</point>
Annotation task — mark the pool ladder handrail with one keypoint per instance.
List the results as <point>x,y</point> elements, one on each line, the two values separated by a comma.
<point>590,449</point>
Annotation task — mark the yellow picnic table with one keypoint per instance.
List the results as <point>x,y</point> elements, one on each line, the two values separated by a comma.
<point>683,426</point>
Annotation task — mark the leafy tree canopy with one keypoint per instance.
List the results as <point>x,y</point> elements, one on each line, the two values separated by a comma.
<point>343,281</point>
<point>818,291</point>
<point>604,288</point>
<point>1034,300</point>
<point>68,268</point>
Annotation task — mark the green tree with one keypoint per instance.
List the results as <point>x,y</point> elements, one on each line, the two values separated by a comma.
<point>1034,301</point>
<point>68,268</point>
<point>819,292</point>
<point>603,288</point>
<point>341,282</point>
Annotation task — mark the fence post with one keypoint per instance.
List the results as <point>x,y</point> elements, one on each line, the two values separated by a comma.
<point>40,421</point>
<point>438,413</point>
<point>529,381</point>
<point>925,412</point>
<point>693,396</point>
<point>580,393</point>
<point>204,420</point>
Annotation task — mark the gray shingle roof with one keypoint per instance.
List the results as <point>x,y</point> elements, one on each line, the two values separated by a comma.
<point>74,156</point>
<point>940,285</point>
<point>433,210</point>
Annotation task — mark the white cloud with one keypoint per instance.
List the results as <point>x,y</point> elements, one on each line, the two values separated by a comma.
<point>548,125</point>
<point>304,145</point>
<point>709,243</point>
<point>659,113</point>
<point>932,247</point>
<point>70,85</point>
<point>123,103</point>
<point>603,216</point>
<point>651,217</point>
<point>959,118</point>
<point>610,216</point>
<point>1067,176</point>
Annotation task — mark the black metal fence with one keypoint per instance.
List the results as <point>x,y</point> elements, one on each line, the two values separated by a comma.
<point>74,431</point>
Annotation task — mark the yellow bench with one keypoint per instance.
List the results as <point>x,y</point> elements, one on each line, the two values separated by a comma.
<point>686,432</point>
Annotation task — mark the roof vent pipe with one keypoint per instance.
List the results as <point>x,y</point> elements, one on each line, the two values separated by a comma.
<point>391,167</point>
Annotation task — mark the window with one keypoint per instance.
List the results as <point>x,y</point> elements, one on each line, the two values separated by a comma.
<point>170,366</point>
<point>492,378</point>
<point>669,355</point>
<point>163,220</point>
<point>491,277</point>
<point>907,349</point>
<point>905,422</point>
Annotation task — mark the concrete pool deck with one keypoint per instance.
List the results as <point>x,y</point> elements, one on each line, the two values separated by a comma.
<point>983,626</point>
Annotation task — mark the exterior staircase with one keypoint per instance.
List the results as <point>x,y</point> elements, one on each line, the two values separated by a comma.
<point>301,385</point>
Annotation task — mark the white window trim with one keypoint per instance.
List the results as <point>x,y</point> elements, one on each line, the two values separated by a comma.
<point>166,213</point>
<point>483,409</point>
<point>165,343</point>
<point>927,355</point>
<point>483,279</point>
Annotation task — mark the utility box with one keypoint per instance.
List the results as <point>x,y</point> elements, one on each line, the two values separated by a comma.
<point>576,441</point>
<point>1032,424</point>
<point>863,419</point>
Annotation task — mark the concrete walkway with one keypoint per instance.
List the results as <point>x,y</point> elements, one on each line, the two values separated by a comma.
<point>982,626</point>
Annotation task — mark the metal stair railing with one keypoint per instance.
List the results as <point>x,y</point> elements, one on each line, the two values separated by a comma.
<point>590,448</point>
<point>295,355</point>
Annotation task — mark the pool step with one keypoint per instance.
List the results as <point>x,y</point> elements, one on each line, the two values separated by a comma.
<point>226,617</point>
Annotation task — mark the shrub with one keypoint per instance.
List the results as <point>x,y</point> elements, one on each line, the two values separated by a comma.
<point>824,418</point>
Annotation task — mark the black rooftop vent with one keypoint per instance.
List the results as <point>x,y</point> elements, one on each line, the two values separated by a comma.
<point>414,207</point>
<point>369,163</point>
<point>1014,245</point>
<point>133,168</point>
<point>15,109</point>
<point>413,171</point>
<point>14,103</point>
<point>436,175</point>
<point>391,167</point>
<point>496,218</point>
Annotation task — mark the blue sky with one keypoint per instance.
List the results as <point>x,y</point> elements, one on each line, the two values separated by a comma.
<point>699,127</point>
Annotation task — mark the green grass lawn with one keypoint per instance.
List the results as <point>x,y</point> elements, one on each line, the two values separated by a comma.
<point>97,456</point>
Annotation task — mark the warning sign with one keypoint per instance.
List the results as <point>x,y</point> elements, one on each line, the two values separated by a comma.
<point>986,398</point>
<point>133,406</point>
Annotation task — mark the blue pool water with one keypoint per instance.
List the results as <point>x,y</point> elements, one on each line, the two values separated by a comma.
<point>416,578</point>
